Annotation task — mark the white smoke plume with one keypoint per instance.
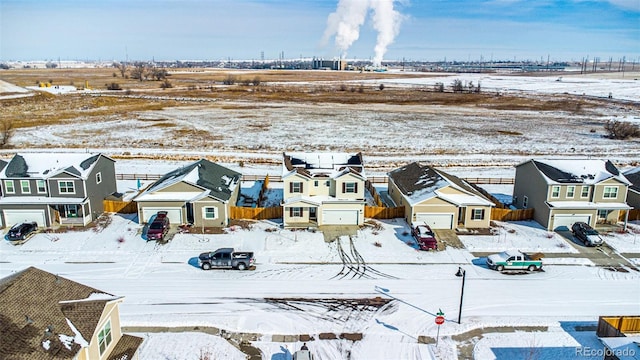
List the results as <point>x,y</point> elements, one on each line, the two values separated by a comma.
<point>349,16</point>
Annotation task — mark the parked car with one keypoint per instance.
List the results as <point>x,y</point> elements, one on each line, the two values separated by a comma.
<point>226,258</point>
<point>424,237</point>
<point>513,260</point>
<point>21,232</point>
<point>588,235</point>
<point>158,227</point>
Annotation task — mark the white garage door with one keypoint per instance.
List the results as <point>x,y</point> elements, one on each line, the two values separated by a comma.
<point>340,217</point>
<point>174,214</point>
<point>12,217</point>
<point>435,221</point>
<point>560,221</point>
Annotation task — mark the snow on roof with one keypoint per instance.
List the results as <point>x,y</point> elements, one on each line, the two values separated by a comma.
<point>45,165</point>
<point>464,199</point>
<point>587,171</point>
<point>39,200</point>
<point>588,205</point>
<point>323,164</point>
<point>172,196</point>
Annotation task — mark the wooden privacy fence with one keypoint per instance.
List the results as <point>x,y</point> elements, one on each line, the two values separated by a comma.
<point>634,214</point>
<point>380,212</point>
<point>237,212</point>
<point>511,215</point>
<point>123,207</point>
<point>374,193</point>
<point>616,326</point>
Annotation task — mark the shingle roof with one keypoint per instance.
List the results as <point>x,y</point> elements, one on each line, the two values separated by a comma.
<point>218,180</point>
<point>125,348</point>
<point>633,176</point>
<point>45,165</point>
<point>322,164</point>
<point>32,317</point>
<point>578,171</point>
<point>417,182</point>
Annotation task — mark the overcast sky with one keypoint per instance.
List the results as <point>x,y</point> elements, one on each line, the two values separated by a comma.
<point>246,29</point>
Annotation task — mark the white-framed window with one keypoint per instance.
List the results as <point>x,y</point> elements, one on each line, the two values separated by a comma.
<point>104,337</point>
<point>295,212</point>
<point>209,212</point>
<point>25,187</point>
<point>525,202</point>
<point>610,192</point>
<point>571,191</point>
<point>8,187</point>
<point>585,192</point>
<point>98,178</point>
<point>42,186</point>
<point>295,187</point>
<point>555,191</point>
<point>350,188</point>
<point>66,187</point>
<point>477,214</point>
<point>316,183</point>
<point>602,214</point>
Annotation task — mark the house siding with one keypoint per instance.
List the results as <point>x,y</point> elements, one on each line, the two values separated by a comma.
<point>54,189</point>
<point>98,192</point>
<point>221,213</point>
<point>110,312</point>
<point>530,183</point>
<point>633,199</point>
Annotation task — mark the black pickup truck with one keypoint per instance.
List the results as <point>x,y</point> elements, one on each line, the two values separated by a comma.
<point>226,258</point>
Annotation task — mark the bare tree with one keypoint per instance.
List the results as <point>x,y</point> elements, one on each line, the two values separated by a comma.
<point>6,132</point>
<point>457,85</point>
<point>121,67</point>
<point>438,87</point>
<point>159,74</point>
<point>230,80</point>
<point>140,71</point>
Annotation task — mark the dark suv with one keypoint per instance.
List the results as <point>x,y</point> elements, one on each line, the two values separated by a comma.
<point>20,232</point>
<point>588,235</point>
<point>158,227</point>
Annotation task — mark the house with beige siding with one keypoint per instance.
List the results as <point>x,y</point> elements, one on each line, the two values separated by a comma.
<point>200,194</point>
<point>438,199</point>
<point>565,191</point>
<point>323,189</point>
<point>45,316</point>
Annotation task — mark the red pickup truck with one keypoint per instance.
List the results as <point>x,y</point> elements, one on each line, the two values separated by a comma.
<point>158,227</point>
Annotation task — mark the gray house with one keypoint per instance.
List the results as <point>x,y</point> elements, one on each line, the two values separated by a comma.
<point>565,191</point>
<point>633,196</point>
<point>200,194</point>
<point>55,188</point>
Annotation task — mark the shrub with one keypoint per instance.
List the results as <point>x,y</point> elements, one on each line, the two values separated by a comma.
<point>114,86</point>
<point>621,130</point>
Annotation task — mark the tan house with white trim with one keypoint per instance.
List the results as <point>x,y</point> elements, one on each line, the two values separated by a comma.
<point>565,191</point>
<point>323,189</point>
<point>440,200</point>
<point>45,316</point>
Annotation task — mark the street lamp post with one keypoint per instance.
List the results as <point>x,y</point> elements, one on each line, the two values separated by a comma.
<point>461,273</point>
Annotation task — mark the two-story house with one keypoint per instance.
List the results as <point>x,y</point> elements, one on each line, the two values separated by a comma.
<point>323,189</point>
<point>55,188</point>
<point>633,196</point>
<point>565,191</point>
<point>438,199</point>
<point>45,316</point>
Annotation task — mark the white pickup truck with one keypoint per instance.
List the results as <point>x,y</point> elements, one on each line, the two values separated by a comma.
<point>513,260</point>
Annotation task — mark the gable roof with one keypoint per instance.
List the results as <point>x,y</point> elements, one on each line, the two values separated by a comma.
<point>633,175</point>
<point>321,164</point>
<point>216,181</point>
<point>418,183</point>
<point>45,316</point>
<point>577,171</point>
<point>46,165</point>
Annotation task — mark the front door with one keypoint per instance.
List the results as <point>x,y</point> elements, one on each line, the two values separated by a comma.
<point>461,212</point>
<point>189,213</point>
<point>313,214</point>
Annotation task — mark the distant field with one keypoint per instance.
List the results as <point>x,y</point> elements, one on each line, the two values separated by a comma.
<point>391,117</point>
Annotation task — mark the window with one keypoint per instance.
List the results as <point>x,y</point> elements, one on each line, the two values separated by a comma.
<point>555,191</point>
<point>571,190</point>
<point>209,213</point>
<point>602,214</point>
<point>477,214</point>
<point>525,202</point>
<point>104,337</point>
<point>610,192</point>
<point>316,183</point>
<point>585,192</point>
<point>25,187</point>
<point>295,187</point>
<point>66,187</point>
<point>98,178</point>
<point>350,188</point>
<point>8,185</point>
<point>42,188</point>
<point>327,183</point>
<point>295,212</point>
